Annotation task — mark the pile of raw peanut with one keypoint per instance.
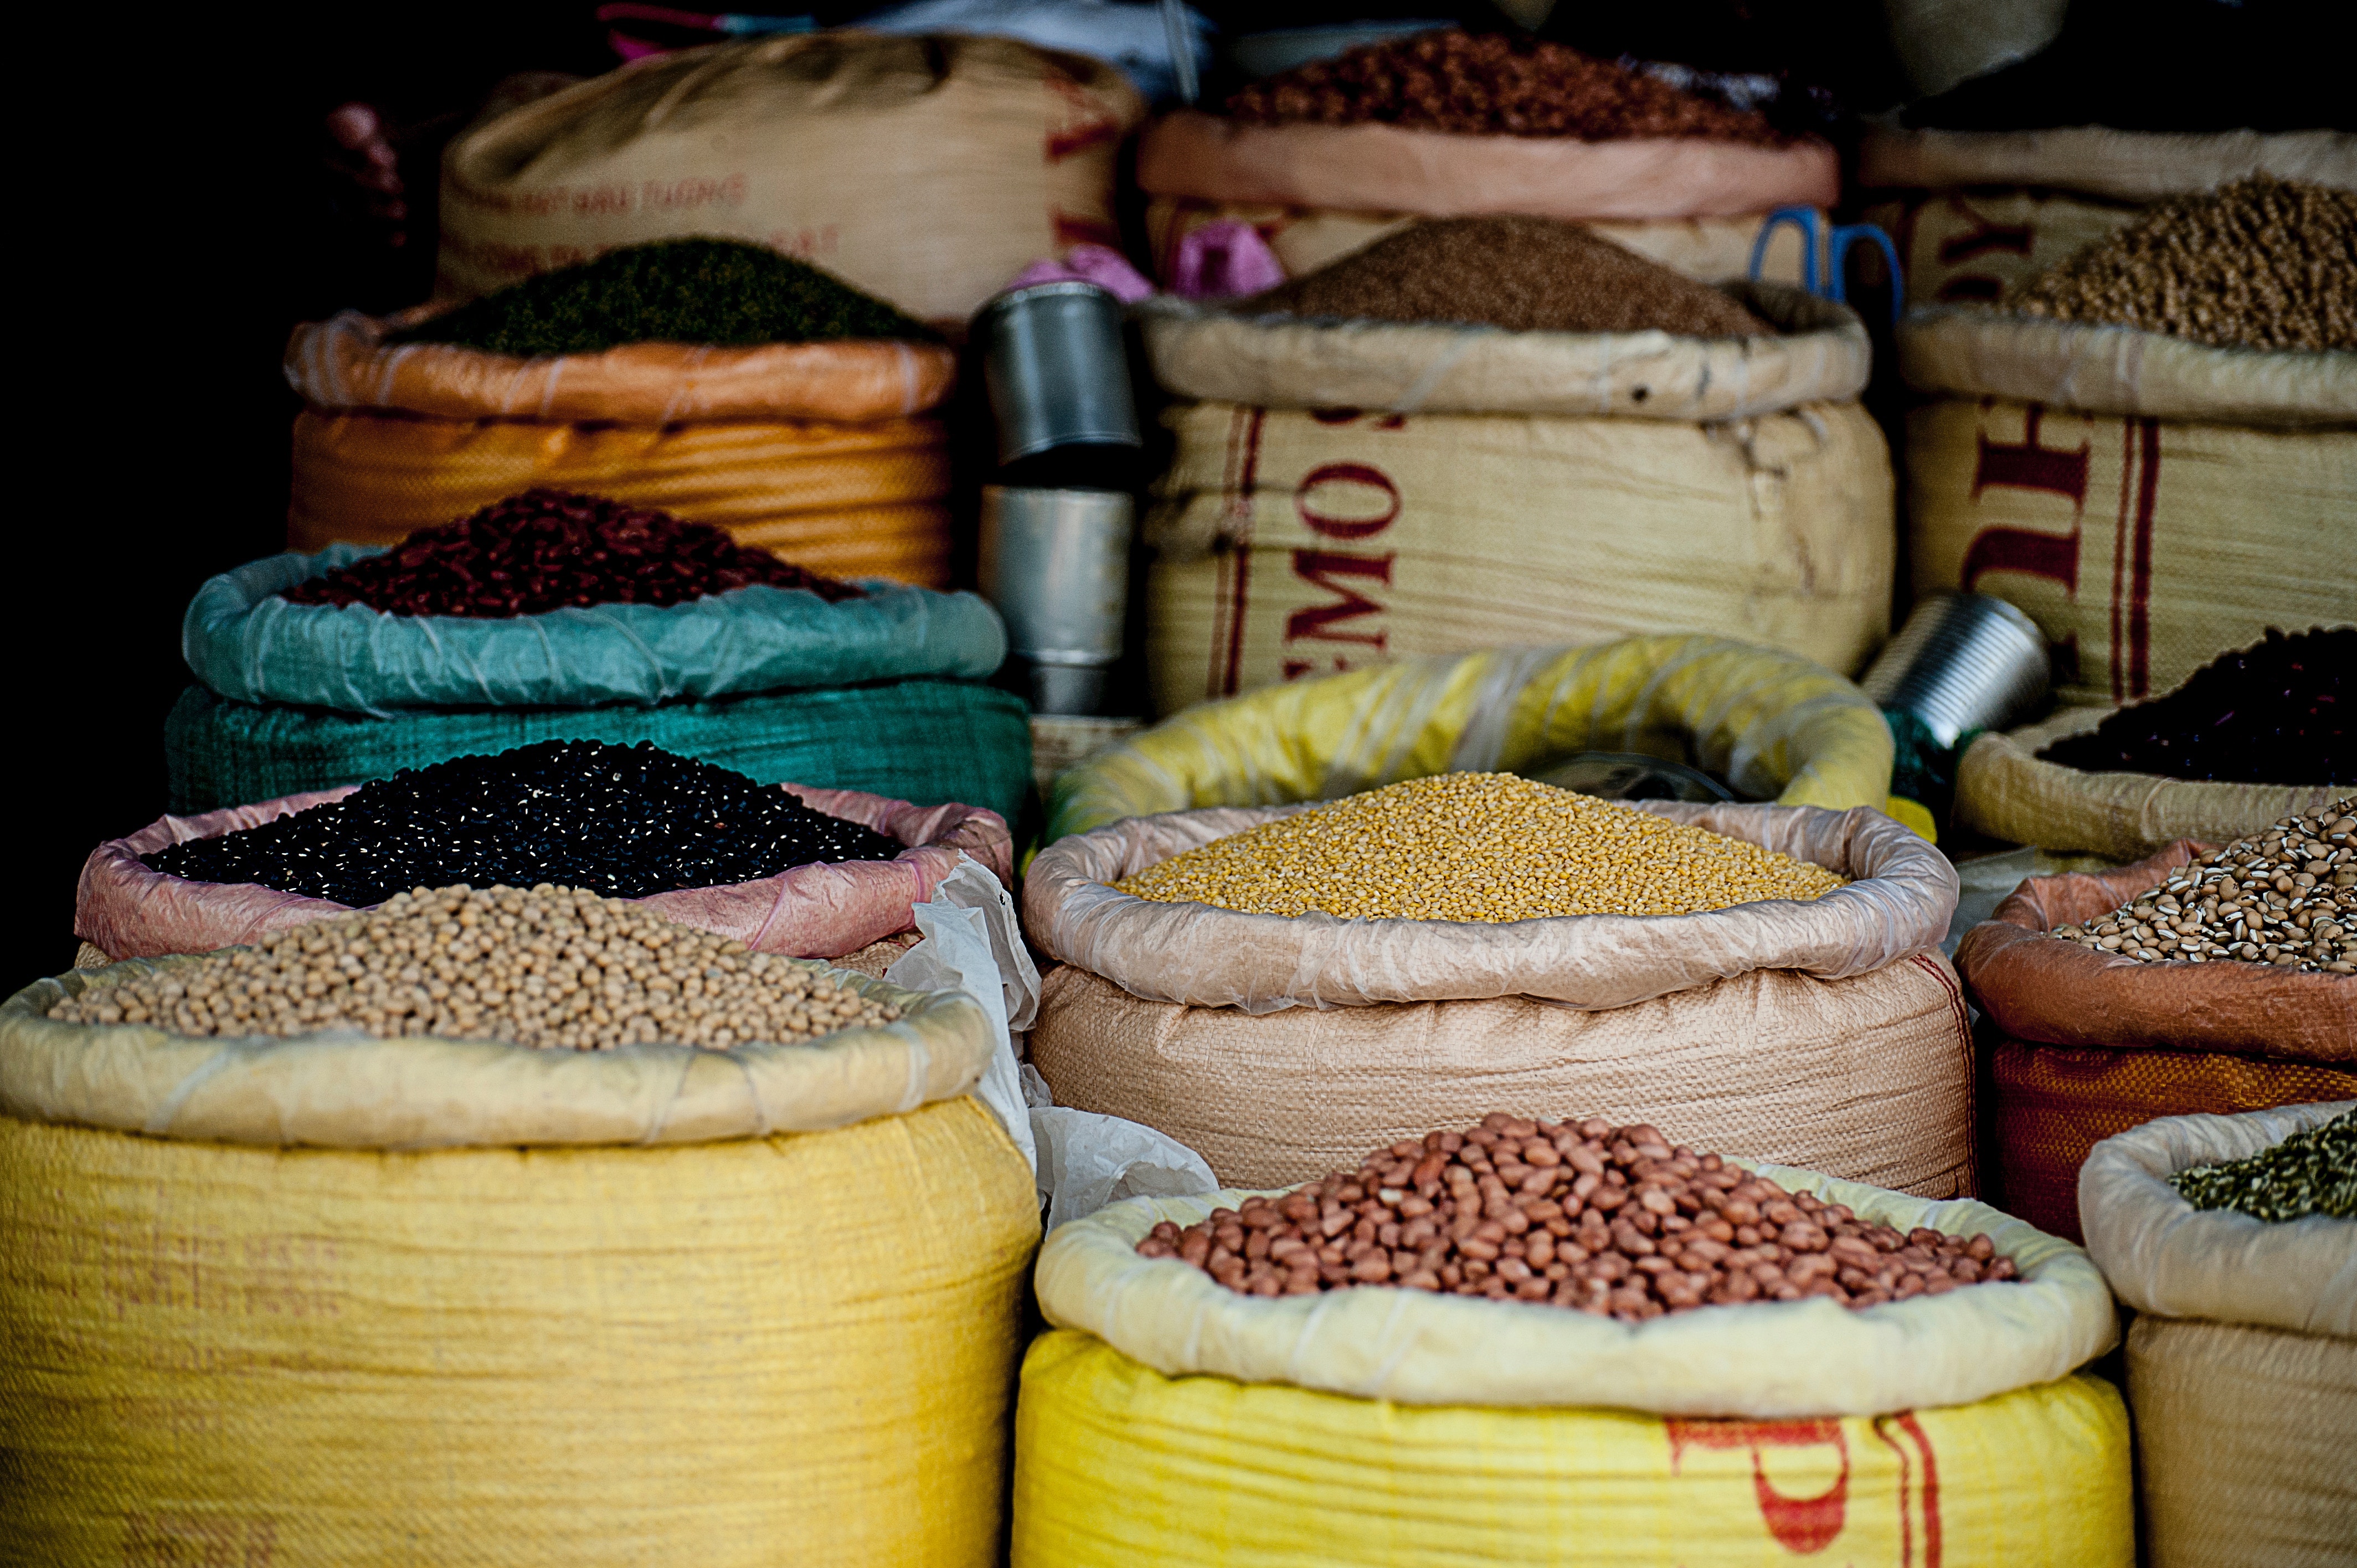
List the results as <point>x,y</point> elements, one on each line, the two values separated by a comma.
<point>552,967</point>
<point>2287,896</point>
<point>1611,1220</point>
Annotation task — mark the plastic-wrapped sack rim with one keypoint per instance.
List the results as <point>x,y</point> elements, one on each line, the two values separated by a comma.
<point>2163,1255</point>
<point>247,643</point>
<point>1784,1360</point>
<point>1900,902</point>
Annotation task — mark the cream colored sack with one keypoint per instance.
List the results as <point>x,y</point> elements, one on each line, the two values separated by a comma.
<point>2005,791</point>
<point>1782,1359</point>
<point>927,170</point>
<point>1819,353</point>
<point>2095,160</point>
<point>2242,1360</point>
<point>1290,543</point>
<point>1957,247</point>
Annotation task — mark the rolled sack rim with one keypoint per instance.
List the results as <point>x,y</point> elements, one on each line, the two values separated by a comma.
<point>2162,1255</point>
<point>1201,955</point>
<point>1780,1359</point>
<point>351,1091</point>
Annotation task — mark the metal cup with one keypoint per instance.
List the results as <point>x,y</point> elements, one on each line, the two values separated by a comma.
<point>1055,563</point>
<point>1057,373</point>
<point>1963,661</point>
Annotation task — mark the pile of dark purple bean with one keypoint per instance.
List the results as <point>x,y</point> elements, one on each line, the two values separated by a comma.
<point>2277,713</point>
<point>547,549</point>
<point>623,822</point>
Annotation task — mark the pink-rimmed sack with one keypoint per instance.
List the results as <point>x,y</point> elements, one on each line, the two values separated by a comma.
<point>125,910</point>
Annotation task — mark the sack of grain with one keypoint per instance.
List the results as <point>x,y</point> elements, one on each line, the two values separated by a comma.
<point>2091,1044</point>
<point>2242,1361</point>
<point>1976,212</point>
<point>1828,1031</point>
<point>125,910</point>
<point>2224,447</point>
<point>246,641</point>
<point>292,1299</point>
<point>930,741</point>
<point>1168,1419</point>
<point>993,154</point>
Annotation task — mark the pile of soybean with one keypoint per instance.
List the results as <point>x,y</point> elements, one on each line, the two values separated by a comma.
<point>551,968</point>
<point>1476,846</point>
<point>620,821</point>
<point>2313,1172</point>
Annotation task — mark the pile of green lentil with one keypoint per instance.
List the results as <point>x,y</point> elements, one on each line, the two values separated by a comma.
<point>719,292</point>
<point>1476,846</point>
<point>553,967</point>
<point>2313,1172</point>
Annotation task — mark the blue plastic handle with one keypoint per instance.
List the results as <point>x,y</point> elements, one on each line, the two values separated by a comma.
<point>1804,218</point>
<point>1837,263</point>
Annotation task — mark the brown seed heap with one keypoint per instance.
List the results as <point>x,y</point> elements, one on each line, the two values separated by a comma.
<point>1611,1220</point>
<point>1525,275</point>
<point>2287,896</point>
<point>1476,846</point>
<point>1489,84</point>
<point>2261,263</point>
<point>554,967</point>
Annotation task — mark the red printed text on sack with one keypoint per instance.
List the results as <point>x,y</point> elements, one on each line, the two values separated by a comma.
<point>1799,1524</point>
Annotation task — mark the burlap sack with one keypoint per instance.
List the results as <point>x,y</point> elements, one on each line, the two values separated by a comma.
<point>2005,791</point>
<point>1303,239</point>
<point>1292,542</point>
<point>1384,168</point>
<point>927,170</point>
<point>125,910</point>
<point>344,363</point>
<point>1868,1077</point>
<point>2095,160</point>
<point>2242,1360</point>
<point>1960,246</point>
<point>1818,354</point>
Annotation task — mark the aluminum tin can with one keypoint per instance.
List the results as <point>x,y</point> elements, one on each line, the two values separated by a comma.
<point>1963,661</point>
<point>1053,363</point>
<point>1055,563</point>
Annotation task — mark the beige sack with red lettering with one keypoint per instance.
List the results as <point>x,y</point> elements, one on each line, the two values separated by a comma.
<point>928,170</point>
<point>2151,502</point>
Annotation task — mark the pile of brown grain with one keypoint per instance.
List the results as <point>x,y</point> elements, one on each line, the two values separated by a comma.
<point>1526,274</point>
<point>2261,263</point>
<point>1449,79</point>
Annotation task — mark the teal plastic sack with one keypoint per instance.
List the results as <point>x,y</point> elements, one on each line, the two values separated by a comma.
<point>929,742</point>
<point>245,642</point>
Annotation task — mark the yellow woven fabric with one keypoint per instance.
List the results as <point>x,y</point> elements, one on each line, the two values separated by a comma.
<point>793,1349</point>
<point>1116,1464</point>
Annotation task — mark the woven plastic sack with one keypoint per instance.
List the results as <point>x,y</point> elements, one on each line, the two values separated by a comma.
<point>1171,1421</point>
<point>926,741</point>
<point>2004,791</point>
<point>1819,353</point>
<point>1385,168</point>
<point>927,170</point>
<point>1963,246</point>
<point>2096,160</point>
<point>245,641</point>
<point>1772,723</point>
<point>2242,1360</point>
<point>291,1300</point>
<point>849,500</point>
<point>819,910</point>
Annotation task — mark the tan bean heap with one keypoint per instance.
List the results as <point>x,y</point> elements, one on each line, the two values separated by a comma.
<point>553,967</point>
<point>2287,896</point>
<point>1609,1221</point>
<point>1476,846</point>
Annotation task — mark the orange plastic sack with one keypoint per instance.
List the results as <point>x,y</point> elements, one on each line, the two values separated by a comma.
<point>1384,168</point>
<point>125,910</point>
<point>850,500</point>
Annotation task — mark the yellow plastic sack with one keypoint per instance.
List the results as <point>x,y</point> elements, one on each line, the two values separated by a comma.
<point>629,1321</point>
<point>1116,1464</point>
<point>850,500</point>
<point>1773,724</point>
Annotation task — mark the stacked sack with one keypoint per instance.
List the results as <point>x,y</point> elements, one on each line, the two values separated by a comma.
<point>1505,431</point>
<point>1827,1032</point>
<point>874,687</point>
<point>2149,447</point>
<point>1330,157</point>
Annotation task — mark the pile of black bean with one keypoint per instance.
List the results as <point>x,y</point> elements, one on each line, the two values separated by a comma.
<point>623,822</point>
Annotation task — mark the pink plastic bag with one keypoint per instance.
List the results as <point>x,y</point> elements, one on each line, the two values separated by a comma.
<point>125,910</point>
<point>1221,260</point>
<point>1099,264</point>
